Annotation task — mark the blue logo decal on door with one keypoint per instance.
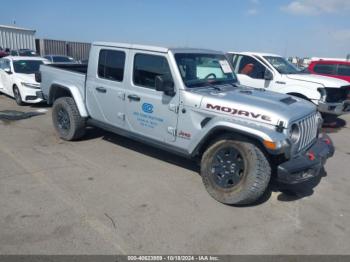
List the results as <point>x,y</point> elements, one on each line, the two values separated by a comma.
<point>147,108</point>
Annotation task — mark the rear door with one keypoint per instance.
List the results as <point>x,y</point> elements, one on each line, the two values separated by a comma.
<point>250,71</point>
<point>105,85</point>
<point>151,113</point>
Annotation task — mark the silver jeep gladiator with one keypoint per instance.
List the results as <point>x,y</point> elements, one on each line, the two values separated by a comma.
<point>188,101</point>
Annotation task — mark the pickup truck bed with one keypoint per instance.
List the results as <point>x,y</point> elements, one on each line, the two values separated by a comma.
<point>67,75</point>
<point>78,68</point>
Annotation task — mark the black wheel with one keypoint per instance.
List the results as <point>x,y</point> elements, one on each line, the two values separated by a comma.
<point>18,97</point>
<point>235,172</point>
<point>67,120</point>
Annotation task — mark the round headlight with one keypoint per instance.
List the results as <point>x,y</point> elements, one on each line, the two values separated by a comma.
<point>294,133</point>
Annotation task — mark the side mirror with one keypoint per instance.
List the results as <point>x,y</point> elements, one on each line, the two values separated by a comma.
<point>268,75</point>
<point>8,70</point>
<point>165,84</point>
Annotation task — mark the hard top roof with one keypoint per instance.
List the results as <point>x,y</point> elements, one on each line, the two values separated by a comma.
<point>155,48</point>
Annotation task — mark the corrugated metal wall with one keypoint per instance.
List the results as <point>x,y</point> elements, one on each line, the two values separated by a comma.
<point>76,50</point>
<point>16,38</point>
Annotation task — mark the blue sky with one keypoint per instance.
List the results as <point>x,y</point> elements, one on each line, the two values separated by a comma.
<point>287,27</point>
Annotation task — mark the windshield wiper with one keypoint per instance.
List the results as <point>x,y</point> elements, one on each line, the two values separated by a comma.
<point>226,83</point>
<point>211,85</point>
<point>203,85</point>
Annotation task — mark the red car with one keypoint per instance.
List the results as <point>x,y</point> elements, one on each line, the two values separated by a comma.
<point>337,69</point>
<point>3,53</point>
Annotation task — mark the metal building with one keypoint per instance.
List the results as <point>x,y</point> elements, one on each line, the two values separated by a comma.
<point>77,50</point>
<point>16,37</point>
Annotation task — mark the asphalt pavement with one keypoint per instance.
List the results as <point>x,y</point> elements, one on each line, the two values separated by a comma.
<point>109,195</point>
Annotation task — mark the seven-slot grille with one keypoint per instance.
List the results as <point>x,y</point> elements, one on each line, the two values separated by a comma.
<point>308,131</point>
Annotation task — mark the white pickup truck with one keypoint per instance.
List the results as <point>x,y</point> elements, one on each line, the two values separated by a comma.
<point>274,73</point>
<point>188,101</point>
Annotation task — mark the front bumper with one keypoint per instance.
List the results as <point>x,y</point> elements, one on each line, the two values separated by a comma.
<point>334,108</point>
<point>30,95</point>
<point>40,95</point>
<point>308,164</point>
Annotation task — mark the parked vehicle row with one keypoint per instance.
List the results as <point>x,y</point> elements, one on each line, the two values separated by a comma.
<point>274,73</point>
<point>190,102</point>
<point>201,104</point>
<point>60,59</point>
<point>23,52</point>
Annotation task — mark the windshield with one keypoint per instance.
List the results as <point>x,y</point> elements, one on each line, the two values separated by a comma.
<point>27,66</point>
<point>62,59</point>
<point>204,69</point>
<point>27,53</point>
<point>282,65</point>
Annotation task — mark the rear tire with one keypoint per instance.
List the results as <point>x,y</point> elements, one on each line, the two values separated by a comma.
<point>17,95</point>
<point>67,120</point>
<point>239,177</point>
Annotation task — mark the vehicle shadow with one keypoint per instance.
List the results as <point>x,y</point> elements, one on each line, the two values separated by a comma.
<point>334,125</point>
<point>288,193</point>
<point>295,192</point>
<point>150,151</point>
<point>40,105</point>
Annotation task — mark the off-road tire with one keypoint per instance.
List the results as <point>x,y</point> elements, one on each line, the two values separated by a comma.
<point>254,180</point>
<point>77,124</point>
<point>17,96</point>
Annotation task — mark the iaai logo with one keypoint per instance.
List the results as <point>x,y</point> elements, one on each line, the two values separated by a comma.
<point>147,108</point>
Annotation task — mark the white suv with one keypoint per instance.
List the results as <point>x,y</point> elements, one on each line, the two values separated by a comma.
<point>17,78</point>
<point>274,73</point>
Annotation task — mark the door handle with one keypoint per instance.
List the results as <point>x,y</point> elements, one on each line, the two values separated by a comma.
<point>134,97</point>
<point>101,89</point>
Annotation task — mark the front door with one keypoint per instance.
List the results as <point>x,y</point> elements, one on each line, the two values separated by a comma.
<point>105,86</point>
<point>151,113</point>
<point>250,72</point>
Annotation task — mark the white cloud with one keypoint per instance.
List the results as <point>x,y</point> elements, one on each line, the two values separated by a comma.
<point>252,11</point>
<point>254,7</point>
<point>316,7</point>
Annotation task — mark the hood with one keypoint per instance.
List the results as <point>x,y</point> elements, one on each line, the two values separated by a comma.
<point>256,105</point>
<point>28,78</point>
<point>319,79</point>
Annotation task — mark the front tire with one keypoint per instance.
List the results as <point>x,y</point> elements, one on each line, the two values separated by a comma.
<point>67,120</point>
<point>235,172</point>
<point>18,97</point>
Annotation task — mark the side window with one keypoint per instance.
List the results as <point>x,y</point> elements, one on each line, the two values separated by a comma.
<point>147,68</point>
<point>232,58</point>
<point>344,70</point>
<point>5,64</point>
<point>1,64</point>
<point>111,65</point>
<point>325,69</point>
<point>250,67</point>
